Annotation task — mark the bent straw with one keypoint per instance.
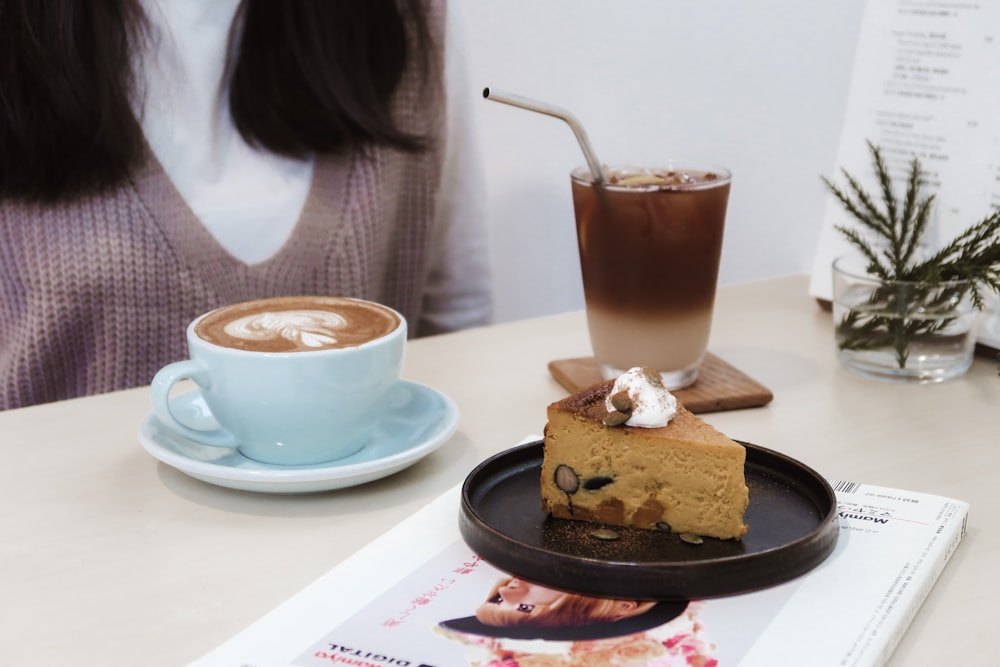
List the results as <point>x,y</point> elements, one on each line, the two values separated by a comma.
<point>556,112</point>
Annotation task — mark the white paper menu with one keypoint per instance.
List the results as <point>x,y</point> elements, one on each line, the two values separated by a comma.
<point>926,83</point>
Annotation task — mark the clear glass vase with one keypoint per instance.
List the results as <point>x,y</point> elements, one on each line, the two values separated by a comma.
<point>901,331</point>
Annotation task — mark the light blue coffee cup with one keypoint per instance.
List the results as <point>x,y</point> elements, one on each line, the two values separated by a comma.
<point>284,408</point>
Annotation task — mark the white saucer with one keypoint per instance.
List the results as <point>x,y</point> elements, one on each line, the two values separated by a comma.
<point>419,420</point>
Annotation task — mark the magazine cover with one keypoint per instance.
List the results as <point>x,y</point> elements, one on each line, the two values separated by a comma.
<point>419,597</point>
<point>458,610</point>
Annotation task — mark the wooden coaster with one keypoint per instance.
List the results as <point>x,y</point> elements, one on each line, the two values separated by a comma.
<point>720,386</point>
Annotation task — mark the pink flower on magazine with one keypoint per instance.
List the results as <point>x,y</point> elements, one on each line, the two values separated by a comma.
<point>542,660</point>
<point>632,650</point>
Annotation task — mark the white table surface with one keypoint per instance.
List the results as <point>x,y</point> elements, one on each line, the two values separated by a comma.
<point>108,557</point>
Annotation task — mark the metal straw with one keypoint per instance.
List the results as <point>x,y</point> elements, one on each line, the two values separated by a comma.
<point>557,112</point>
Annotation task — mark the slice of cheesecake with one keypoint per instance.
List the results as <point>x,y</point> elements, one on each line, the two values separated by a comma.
<point>685,477</point>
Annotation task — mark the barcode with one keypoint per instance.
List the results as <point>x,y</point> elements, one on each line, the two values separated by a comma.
<point>844,487</point>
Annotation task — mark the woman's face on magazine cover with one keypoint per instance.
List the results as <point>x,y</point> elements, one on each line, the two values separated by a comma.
<point>513,601</point>
<point>524,596</point>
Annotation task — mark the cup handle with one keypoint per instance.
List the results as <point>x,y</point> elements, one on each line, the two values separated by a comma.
<point>163,382</point>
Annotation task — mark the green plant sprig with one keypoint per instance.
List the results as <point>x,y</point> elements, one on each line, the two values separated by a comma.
<point>901,227</point>
<point>971,260</point>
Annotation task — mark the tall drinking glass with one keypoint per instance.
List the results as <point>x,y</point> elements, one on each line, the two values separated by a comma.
<point>650,241</point>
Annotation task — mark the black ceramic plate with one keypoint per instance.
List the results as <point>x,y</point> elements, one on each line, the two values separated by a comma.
<point>792,517</point>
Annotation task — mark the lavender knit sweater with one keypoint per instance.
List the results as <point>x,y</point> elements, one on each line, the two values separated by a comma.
<point>95,294</point>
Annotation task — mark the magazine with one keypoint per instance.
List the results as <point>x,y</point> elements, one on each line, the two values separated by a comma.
<point>419,597</point>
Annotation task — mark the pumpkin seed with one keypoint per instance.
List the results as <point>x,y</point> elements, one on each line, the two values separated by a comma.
<point>621,401</point>
<point>615,418</point>
<point>691,538</point>
<point>652,376</point>
<point>604,534</point>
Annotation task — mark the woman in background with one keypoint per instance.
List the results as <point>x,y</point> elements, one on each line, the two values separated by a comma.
<point>161,158</point>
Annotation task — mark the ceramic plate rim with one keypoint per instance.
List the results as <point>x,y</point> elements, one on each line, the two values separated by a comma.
<point>274,474</point>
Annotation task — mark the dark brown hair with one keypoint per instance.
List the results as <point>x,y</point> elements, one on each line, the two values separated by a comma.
<point>306,76</point>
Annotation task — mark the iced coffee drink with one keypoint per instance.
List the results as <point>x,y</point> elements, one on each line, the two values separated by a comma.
<point>650,241</point>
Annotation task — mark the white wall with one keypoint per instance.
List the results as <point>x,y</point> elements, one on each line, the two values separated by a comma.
<point>756,85</point>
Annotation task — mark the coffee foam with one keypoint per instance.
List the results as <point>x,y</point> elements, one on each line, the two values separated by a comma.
<point>297,324</point>
<point>302,328</point>
<point>634,177</point>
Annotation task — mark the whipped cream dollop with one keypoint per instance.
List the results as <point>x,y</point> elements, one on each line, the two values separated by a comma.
<point>651,405</point>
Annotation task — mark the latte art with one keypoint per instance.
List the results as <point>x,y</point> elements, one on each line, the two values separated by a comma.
<point>297,324</point>
<point>303,328</point>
